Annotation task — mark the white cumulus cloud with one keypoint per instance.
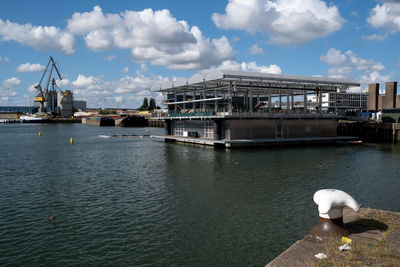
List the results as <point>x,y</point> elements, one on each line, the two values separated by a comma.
<point>286,21</point>
<point>374,77</point>
<point>135,84</point>
<point>154,36</point>
<point>12,82</point>
<point>63,83</point>
<point>349,65</point>
<point>28,67</point>
<point>127,91</point>
<point>367,65</point>
<point>32,88</point>
<point>38,37</point>
<point>344,64</point>
<point>334,57</point>
<point>340,72</point>
<point>251,66</point>
<point>90,83</point>
<point>386,16</point>
<point>255,50</point>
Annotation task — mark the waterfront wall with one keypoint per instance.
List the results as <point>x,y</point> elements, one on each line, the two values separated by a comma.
<point>99,121</point>
<point>155,123</point>
<point>371,132</point>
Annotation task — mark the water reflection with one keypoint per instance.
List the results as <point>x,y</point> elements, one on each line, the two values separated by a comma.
<point>141,201</point>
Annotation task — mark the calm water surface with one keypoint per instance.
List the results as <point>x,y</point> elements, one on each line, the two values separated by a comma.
<point>142,202</point>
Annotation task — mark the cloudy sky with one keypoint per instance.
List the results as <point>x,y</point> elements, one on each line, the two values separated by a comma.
<point>115,51</point>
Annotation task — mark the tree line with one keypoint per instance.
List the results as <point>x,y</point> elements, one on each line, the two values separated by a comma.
<point>148,105</point>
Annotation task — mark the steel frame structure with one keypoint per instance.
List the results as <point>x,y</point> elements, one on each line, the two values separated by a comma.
<point>222,87</point>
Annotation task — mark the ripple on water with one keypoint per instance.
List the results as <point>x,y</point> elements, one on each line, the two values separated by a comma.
<point>145,202</point>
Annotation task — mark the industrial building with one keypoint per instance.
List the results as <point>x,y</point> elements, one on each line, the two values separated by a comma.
<point>387,106</point>
<point>378,102</point>
<point>79,105</point>
<point>235,108</point>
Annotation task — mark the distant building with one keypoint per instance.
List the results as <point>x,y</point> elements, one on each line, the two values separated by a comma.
<point>79,105</point>
<point>340,102</point>
<point>19,109</point>
<point>65,102</point>
<point>389,100</point>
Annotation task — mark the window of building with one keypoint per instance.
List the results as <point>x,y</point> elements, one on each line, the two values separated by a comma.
<point>178,128</point>
<point>209,129</point>
<point>279,131</point>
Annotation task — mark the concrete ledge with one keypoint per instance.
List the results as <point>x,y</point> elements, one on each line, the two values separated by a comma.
<point>368,230</point>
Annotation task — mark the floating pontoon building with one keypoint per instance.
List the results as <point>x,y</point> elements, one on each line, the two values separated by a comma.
<point>235,108</point>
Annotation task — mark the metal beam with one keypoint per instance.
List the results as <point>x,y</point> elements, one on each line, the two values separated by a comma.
<point>193,101</point>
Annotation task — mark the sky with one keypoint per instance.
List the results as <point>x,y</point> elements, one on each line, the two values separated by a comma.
<point>115,52</point>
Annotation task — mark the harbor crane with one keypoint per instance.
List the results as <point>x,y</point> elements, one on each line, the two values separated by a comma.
<point>48,98</point>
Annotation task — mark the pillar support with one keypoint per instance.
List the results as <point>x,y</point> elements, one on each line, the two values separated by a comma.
<point>269,100</point>
<point>305,101</point>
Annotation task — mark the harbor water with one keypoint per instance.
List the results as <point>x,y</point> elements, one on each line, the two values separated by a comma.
<point>143,202</point>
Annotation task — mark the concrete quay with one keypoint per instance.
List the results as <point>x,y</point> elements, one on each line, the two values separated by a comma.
<point>375,236</point>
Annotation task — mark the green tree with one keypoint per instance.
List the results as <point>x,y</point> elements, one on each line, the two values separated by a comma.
<point>152,105</point>
<point>145,105</point>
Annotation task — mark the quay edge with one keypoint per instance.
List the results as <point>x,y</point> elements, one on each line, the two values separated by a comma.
<point>369,229</point>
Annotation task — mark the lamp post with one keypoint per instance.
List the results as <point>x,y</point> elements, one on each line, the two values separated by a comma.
<point>8,99</point>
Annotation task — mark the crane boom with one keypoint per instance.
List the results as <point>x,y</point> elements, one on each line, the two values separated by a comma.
<point>44,72</point>
<point>46,88</point>
<point>55,66</point>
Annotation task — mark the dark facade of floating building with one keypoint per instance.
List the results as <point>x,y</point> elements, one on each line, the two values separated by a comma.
<point>233,108</point>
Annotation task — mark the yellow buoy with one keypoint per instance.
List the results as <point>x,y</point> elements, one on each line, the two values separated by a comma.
<point>40,133</point>
<point>71,140</point>
<point>147,130</point>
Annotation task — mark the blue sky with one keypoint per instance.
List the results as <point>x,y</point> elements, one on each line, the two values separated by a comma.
<point>115,51</point>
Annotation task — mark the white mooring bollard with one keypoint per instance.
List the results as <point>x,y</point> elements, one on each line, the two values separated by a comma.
<point>330,207</point>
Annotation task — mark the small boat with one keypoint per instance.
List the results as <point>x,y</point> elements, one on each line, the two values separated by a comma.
<point>355,142</point>
<point>26,118</point>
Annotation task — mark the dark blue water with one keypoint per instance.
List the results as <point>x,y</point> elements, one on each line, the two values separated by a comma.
<point>142,202</point>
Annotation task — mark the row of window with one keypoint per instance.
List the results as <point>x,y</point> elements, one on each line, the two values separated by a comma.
<point>208,127</point>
